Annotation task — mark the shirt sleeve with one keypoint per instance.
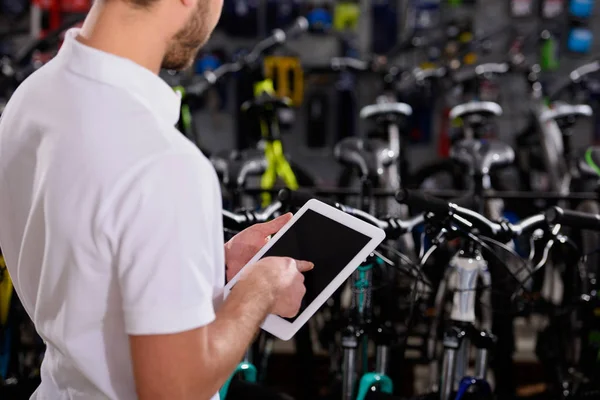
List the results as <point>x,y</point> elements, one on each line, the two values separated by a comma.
<point>163,231</point>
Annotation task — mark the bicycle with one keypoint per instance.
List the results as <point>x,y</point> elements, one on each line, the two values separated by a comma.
<point>268,160</point>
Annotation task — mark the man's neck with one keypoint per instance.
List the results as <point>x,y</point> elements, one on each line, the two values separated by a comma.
<point>114,28</point>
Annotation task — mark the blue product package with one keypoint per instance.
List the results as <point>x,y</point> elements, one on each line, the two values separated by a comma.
<point>580,40</point>
<point>581,8</point>
<point>207,62</point>
<point>320,19</point>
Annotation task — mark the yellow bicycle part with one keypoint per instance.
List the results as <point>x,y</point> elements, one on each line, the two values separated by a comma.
<point>346,16</point>
<point>277,166</point>
<point>264,86</point>
<point>6,290</point>
<point>290,77</point>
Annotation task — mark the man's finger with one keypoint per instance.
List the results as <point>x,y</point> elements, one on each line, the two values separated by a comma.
<point>304,266</point>
<point>271,227</point>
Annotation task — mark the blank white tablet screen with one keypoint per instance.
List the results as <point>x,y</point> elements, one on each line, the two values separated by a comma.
<point>323,241</point>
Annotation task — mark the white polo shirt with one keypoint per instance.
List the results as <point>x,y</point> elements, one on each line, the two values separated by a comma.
<point>110,219</point>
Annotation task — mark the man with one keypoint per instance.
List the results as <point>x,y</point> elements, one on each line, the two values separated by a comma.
<point>111,219</point>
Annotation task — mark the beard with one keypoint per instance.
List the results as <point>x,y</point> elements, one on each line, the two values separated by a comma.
<point>184,46</point>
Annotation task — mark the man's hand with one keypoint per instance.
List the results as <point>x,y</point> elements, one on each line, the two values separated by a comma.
<point>282,282</point>
<point>243,246</point>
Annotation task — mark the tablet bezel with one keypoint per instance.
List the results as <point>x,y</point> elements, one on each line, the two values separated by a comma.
<point>284,329</point>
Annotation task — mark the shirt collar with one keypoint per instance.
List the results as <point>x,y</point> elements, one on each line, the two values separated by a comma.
<point>120,72</point>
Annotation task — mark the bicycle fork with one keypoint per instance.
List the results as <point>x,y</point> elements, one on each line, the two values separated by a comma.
<point>457,339</point>
<point>354,337</point>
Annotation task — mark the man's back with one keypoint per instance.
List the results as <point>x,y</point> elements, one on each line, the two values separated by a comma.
<point>86,144</point>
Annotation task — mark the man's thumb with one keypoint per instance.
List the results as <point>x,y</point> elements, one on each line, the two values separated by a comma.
<point>272,227</point>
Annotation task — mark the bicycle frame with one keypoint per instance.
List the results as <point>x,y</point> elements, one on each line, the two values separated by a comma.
<point>465,268</point>
<point>355,340</point>
<point>277,164</point>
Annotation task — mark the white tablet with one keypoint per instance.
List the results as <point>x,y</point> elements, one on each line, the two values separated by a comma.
<point>334,241</point>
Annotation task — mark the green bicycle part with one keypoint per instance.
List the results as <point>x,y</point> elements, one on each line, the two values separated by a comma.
<point>248,372</point>
<point>590,161</point>
<point>370,380</point>
<point>362,283</point>
<point>186,114</point>
<point>6,291</point>
<point>186,118</point>
<point>549,61</point>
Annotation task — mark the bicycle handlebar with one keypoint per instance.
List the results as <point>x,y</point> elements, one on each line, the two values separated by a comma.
<point>242,220</point>
<point>278,37</point>
<point>576,76</point>
<point>501,231</point>
<point>577,219</point>
<point>393,227</point>
<point>584,70</point>
<point>354,64</point>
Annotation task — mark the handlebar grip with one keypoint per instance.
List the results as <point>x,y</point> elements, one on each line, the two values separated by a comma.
<point>298,27</point>
<point>421,201</point>
<point>575,219</point>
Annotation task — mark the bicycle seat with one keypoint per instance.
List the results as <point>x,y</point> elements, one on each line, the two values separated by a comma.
<point>589,163</point>
<point>371,156</point>
<point>566,115</point>
<point>266,100</point>
<point>482,155</point>
<point>234,168</point>
<point>476,108</point>
<point>386,111</point>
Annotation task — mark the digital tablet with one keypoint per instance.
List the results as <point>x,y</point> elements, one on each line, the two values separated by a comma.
<point>334,241</point>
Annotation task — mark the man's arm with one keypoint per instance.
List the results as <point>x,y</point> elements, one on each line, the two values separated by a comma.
<point>163,227</point>
<point>196,363</point>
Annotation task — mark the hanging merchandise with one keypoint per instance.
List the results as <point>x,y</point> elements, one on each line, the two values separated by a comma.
<point>282,13</point>
<point>287,75</point>
<point>521,8</point>
<point>581,8</point>
<point>580,40</point>
<point>580,35</point>
<point>552,9</point>
<point>320,20</point>
<point>549,51</point>
<point>427,14</point>
<point>317,121</point>
<point>385,31</point>
<point>345,16</point>
<point>207,62</point>
<point>240,17</point>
